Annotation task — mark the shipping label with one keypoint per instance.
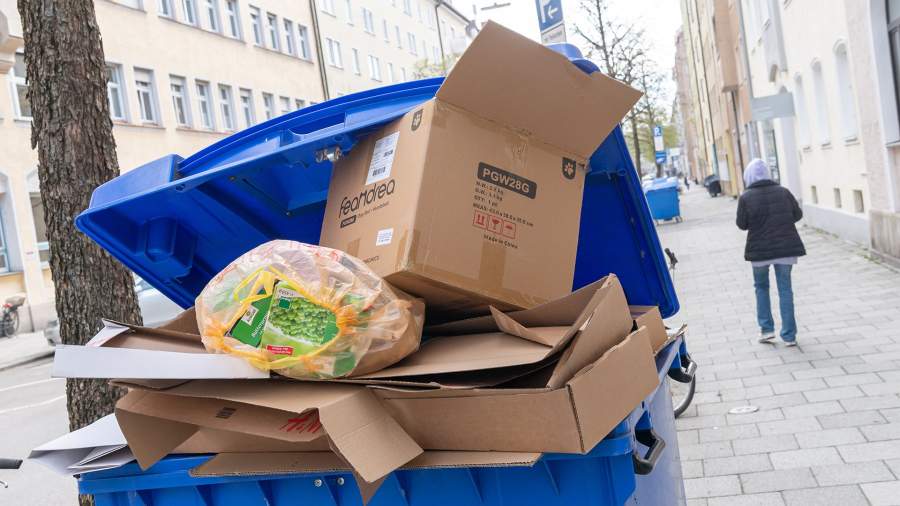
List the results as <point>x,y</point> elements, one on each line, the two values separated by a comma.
<point>382,158</point>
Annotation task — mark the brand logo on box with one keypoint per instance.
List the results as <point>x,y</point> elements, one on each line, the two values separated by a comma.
<point>417,120</point>
<point>568,168</point>
<point>365,198</point>
<point>506,180</point>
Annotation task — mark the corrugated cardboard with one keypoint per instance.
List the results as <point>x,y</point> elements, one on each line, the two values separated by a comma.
<point>649,316</point>
<point>570,419</point>
<point>474,198</point>
<point>357,427</point>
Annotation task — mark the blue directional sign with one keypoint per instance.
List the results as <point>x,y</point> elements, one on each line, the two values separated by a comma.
<point>549,13</point>
<point>660,157</point>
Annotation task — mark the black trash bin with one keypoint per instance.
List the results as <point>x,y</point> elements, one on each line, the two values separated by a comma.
<point>713,185</point>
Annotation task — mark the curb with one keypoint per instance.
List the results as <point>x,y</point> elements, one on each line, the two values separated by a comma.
<point>33,357</point>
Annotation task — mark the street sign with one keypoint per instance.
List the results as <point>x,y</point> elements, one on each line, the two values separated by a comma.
<point>550,21</point>
<point>658,144</point>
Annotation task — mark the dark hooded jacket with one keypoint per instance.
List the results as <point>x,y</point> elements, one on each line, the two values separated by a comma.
<point>768,212</point>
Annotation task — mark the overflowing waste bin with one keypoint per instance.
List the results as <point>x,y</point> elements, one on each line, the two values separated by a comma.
<point>391,439</point>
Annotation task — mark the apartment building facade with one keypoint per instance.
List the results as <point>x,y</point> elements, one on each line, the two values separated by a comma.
<point>183,74</point>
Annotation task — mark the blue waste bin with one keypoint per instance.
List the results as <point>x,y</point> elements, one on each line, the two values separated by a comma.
<point>610,475</point>
<point>177,221</point>
<point>663,200</point>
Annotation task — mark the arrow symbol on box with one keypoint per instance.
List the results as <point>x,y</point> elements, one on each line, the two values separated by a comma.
<point>551,11</point>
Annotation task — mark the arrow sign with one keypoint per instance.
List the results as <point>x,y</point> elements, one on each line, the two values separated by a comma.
<point>549,14</point>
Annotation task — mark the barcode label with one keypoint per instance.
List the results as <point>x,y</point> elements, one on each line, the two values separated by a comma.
<point>384,237</point>
<point>382,158</point>
<point>249,315</point>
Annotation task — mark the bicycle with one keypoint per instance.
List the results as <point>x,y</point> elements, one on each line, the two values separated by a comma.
<point>682,373</point>
<point>9,321</point>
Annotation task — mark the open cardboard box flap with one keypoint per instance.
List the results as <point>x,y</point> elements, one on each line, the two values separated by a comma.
<point>501,70</point>
<point>583,323</point>
<point>358,429</point>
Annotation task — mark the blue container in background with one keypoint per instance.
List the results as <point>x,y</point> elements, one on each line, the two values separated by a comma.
<point>663,200</point>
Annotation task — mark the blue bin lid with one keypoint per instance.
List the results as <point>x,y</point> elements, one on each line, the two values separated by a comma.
<point>661,184</point>
<point>177,222</point>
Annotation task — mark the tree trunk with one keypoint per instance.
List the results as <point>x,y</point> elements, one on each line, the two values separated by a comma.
<point>72,132</point>
<point>635,138</point>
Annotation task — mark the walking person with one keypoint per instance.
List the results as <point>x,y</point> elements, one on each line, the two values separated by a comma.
<point>768,212</point>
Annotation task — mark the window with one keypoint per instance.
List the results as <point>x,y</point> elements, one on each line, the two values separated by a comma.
<point>180,102</point>
<point>411,38</point>
<point>845,91</point>
<point>134,4</point>
<point>115,92</point>
<point>304,41</point>
<point>333,53</point>
<point>269,105</point>
<point>40,232</point>
<point>837,198</point>
<point>327,6</point>
<point>858,205</point>
<point>274,41</point>
<point>285,104</point>
<point>390,67</point>
<point>234,21</point>
<point>212,15</point>
<point>403,73</point>
<point>247,107</point>
<point>190,11</point>
<point>355,61</point>
<point>893,15</point>
<point>814,193</point>
<point>368,21</point>
<point>435,54</point>
<point>21,105</point>
<point>146,95</point>
<point>424,50</point>
<point>407,7</point>
<point>164,8</point>
<point>374,68</point>
<point>289,46</point>
<point>205,103</point>
<point>387,30</point>
<point>399,38</point>
<point>802,111</point>
<point>419,9</point>
<point>348,4</point>
<point>256,23</point>
<point>299,103</point>
<point>226,105</point>
<point>4,255</point>
<point>821,104</point>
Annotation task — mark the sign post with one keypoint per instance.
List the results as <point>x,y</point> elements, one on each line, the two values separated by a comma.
<point>550,21</point>
<point>659,145</point>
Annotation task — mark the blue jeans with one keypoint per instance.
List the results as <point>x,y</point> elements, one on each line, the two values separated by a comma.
<point>785,301</point>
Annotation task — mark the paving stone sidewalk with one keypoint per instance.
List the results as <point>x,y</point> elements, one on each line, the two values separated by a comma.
<point>827,431</point>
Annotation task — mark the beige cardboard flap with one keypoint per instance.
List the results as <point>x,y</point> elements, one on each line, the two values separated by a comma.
<point>607,390</point>
<point>515,81</point>
<point>650,317</point>
<point>149,438</point>
<point>364,434</point>
<point>608,324</point>
<point>556,313</point>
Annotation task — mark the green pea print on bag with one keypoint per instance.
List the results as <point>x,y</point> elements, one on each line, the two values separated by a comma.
<point>306,312</point>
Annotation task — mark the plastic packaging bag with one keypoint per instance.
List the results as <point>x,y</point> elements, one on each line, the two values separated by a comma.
<point>307,311</point>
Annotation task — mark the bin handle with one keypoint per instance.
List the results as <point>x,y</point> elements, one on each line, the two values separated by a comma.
<point>655,446</point>
<point>685,372</point>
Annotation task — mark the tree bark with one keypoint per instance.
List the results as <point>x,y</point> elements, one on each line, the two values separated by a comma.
<point>72,132</point>
<point>635,138</point>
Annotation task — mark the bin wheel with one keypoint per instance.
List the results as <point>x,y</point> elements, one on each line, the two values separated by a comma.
<point>682,395</point>
<point>678,219</point>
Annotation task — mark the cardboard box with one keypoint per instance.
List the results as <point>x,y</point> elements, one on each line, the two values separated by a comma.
<point>474,198</point>
<point>650,317</point>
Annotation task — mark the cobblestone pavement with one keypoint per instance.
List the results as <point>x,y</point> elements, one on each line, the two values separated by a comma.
<point>827,430</point>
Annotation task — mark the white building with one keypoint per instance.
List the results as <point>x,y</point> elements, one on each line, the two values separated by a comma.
<point>184,74</point>
<point>798,50</point>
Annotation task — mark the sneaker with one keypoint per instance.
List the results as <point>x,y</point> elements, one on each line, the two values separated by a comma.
<point>766,337</point>
<point>790,344</point>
